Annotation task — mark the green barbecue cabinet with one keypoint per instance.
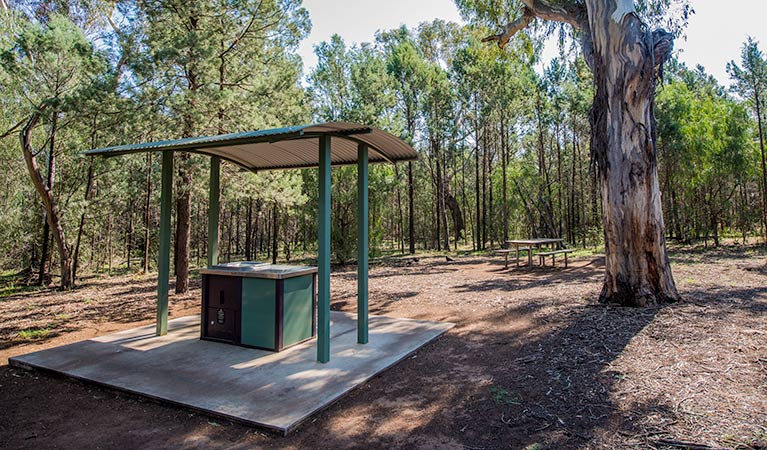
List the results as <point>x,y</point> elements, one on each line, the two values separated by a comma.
<point>265,306</point>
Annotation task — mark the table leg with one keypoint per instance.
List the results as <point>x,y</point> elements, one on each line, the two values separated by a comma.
<point>530,256</point>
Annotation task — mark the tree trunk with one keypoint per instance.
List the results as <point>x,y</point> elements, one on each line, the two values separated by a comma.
<point>51,178</point>
<point>183,223</point>
<point>757,100</point>
<point>484,191</point>
<point>400,223</point>
<point>249,231</point>
<point>147,212</point>
<point>411,208</point>
<point>504,180</point>
<point>275,230</point>
<point>81,227</point>
<point>478,226</point>
<point>625,56</point>
<point>44,250</point>
<point>129,239</point>
<point>49,202</point>
<point>108,249</point>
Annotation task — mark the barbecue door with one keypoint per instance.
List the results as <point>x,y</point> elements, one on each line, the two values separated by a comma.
<point>222,308</point>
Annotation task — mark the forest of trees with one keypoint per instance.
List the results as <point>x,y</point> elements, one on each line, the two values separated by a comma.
<point>504,148</point>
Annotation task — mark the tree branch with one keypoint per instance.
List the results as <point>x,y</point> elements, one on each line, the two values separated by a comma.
<point>512,28</point>
<point>13,128</point>
<point>542,10</point>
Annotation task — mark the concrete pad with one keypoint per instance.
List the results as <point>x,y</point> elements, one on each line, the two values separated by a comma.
<point>272,390</point>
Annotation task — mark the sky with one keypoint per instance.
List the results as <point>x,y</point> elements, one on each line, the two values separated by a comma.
<point>715,34</point>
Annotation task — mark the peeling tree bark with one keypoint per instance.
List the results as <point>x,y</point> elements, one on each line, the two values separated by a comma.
<point>626,60</point>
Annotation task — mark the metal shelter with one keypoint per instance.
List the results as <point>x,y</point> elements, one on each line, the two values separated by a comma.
<point>304,146</point>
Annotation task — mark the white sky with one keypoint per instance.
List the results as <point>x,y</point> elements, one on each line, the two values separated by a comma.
<point>714,37</point>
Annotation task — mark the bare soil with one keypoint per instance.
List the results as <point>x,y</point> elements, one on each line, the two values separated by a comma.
<point>533,362</point>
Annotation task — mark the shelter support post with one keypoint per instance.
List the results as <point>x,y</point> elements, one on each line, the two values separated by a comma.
<point>362,244</point>
<point>163,256</point>
<point>323,259</point>
<point>213,201</point>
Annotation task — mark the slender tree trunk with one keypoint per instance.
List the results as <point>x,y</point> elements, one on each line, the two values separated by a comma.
<point>442,207</point>
<point>478,226</point>
<point>559,180</point>
<point>504,199</point>
<point>49,202</point>
<point>275,231</point>
<point>183,222</point>
<point>411,208</point>
<point>484,190</point>
<point>147,211</point>
<point>81,227</point>
<point>129,243</point>
<point>249,231</point>
<point>400,223</point>
<point>51,179</point>
<point>625,55</point>
<point>574,210</point>
<point>108,252</point>
<point>757,100</point>
<point>44,252</point>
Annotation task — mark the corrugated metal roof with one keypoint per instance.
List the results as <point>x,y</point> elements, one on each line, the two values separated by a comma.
<point>283,148</point>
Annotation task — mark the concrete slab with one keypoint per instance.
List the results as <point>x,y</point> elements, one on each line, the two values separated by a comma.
<point>273,390</point>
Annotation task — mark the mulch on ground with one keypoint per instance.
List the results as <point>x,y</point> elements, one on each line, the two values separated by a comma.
<point>533,362</point>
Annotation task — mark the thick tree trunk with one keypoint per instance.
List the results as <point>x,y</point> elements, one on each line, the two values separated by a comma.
<point>625,57</point>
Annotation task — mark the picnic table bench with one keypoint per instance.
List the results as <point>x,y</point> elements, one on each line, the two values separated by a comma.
<point>505,252</point>
<point>531,244</point>
<point>542,256</point>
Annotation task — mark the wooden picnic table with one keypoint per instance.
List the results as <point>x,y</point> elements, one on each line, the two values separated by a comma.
<point>537,243</point>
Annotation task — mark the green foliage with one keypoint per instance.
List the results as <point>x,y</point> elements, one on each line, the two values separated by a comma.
<point>705,144</point>
<point>486,124</point>
<point>50,65</point>
<point>33,334</point>
<point>502,397</point>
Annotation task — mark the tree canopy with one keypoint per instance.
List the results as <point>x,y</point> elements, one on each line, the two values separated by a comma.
<point>506,150</point>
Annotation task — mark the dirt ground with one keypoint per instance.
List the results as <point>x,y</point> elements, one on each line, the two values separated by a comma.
<point>533,362</point>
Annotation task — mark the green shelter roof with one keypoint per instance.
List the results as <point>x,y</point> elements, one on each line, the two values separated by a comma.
<point>283,148</point>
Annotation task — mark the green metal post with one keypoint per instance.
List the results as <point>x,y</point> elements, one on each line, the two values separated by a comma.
<point>163,256</point>
<point>213,198</point>
<point>323,259</point>
<point>362,244</point>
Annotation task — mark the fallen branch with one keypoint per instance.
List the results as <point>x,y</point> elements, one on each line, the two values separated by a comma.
<point>686,445</point>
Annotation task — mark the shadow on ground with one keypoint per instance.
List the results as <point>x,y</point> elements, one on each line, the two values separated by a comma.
<point>533,360</point>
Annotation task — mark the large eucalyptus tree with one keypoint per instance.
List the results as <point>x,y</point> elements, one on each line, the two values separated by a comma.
<point>626,57</point>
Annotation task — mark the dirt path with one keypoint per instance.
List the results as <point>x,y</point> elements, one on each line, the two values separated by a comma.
<point>532,361</point>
